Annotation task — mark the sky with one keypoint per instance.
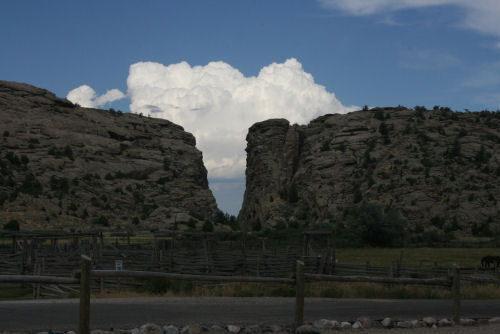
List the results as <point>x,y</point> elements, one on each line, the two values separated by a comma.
<point>216,67</point>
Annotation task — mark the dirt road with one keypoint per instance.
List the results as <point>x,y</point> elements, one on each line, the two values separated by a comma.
<point>130,313</point>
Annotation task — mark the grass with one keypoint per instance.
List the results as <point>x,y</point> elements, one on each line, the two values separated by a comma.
<point>425,256</point>
<point>316,289</point>
<point>15,291</point>
<point>11,291</point>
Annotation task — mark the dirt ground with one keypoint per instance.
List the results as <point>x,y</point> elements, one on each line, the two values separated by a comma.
<point>483,329</point>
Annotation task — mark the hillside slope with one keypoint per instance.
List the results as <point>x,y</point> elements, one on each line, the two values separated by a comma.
<point>439,169</point>
<point>72,168</point>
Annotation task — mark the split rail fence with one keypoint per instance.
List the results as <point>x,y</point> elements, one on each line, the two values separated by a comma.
<point>48,261</point>
<point>85,275</point>
<point>238,254</point>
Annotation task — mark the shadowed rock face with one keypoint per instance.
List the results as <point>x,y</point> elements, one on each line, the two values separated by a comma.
<point>440,169</point>
<point>67,167</point>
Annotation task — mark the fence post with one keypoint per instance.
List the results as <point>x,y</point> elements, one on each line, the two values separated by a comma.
<point>84,317</point>
<point>299,296</point>
<point>455,291</point>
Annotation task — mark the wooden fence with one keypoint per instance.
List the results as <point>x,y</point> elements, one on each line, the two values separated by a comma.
<point>85,275</point>
<point>196,253</point>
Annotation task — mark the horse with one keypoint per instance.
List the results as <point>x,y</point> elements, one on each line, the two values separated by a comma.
<point>488,260</point>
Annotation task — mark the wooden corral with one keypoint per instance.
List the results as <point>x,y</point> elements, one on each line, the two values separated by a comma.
<point>222,254</point>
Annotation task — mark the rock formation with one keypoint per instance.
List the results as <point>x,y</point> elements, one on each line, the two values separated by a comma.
<point>72,168</point>
<point>440,169</point>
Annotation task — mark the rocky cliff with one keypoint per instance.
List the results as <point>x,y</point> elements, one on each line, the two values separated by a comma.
<point>440,169</point>
<point>72,168</point>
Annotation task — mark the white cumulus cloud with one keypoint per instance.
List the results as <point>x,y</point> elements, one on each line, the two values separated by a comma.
<point>87,97</point>
<point>480,15</point>
<point>218,104</point>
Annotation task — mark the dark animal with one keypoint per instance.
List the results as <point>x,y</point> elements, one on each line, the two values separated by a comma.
<point>489,260</point>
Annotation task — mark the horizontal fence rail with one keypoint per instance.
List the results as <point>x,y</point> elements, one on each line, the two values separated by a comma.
<point>187,277</point>
<point>38,279</point>
<point>486,280</point>
<point>388,280</point>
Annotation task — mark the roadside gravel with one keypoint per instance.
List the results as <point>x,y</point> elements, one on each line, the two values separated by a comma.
<point>480,329</point>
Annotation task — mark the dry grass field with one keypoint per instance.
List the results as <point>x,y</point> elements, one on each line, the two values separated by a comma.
<point>415,257</point>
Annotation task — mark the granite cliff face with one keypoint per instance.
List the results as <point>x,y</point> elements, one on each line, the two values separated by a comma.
<point>439,169</point>
<point>72,168</point>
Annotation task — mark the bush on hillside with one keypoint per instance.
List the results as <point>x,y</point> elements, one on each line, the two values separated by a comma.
<point>367,224</point>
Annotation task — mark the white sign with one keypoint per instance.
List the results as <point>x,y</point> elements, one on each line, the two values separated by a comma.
<point>118,265</point>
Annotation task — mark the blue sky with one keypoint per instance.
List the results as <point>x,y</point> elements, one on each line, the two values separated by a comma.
<point>365,52</point>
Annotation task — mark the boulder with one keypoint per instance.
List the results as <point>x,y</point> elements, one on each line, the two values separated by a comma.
<point>233,329</point>
<point>429,321</point>
<point>494,320</point>
<point>444,322</point>
<point>253,329</point>
<point>306,329</point>
<point>402,324</point>
<point>170,329</point>
<point>387,322</point>
<point>357,325</point>
<point>366,322</point>
<point>345,325</point>
<point>467,322</point>
<point>275,328</point>
<point>415,324</point>
<point>191,329</point>
<point>150,328</point>
<point>325,323</point>
<point>217,329</point>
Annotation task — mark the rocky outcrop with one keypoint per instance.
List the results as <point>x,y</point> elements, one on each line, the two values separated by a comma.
<point>72,168</point>
<point>439,168</point>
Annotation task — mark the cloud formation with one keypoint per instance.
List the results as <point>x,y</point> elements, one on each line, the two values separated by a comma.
<point>87,97</point>
<point>480,15</point>
<point>218,104</point>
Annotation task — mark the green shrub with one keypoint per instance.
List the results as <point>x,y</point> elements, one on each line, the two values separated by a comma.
<point>61,152</point>
<point>12,225</point>
<point>14,159</point>
<point>368,224</point>
<point>166,164</point>
<point>191,223</point>
<point>3,197</point>
<point>358,196</point>
<point>293,195</point>
<point>138,197</point>
<point>379,114</point>
<point>325,146</point>
<point>31,185</point>
<point>208,226</point>
<point>482,156</point>
<point>59,184</point>
<point>102,220</point>
<point>257,226</point>
<point>383,129</point>
<point>438,222</point>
